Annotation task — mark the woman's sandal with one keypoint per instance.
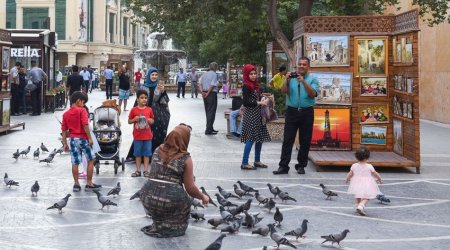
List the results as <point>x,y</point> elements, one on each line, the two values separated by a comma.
<point>146,174</point>
<point>247,167</point>
<point>260,165</point>
<point>136,174</point>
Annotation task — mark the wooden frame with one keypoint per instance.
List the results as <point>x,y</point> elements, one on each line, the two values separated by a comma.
<point>334,88</point>
<point>334,134</point>
<point>373,113</point>
<point>402,49</point>
<point>397,136</point>
<point>371,56</point>
<point>370,86</point>
<point>6,56</point>
<point>373,135</point>
<point>327,50</point>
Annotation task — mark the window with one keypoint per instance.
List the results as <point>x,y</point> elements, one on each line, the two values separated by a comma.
<point>125,31</point>
<point>60,19</point>
<point>112,19</point>
<point>10,14</point>
<point>35,18</point>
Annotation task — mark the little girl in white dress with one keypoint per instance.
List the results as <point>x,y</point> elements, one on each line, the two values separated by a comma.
<point>362,182</point>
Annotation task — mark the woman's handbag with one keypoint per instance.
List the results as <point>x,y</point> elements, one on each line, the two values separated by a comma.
<point>268,112</point>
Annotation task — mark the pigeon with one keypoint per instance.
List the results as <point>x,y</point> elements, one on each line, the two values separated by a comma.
<point>215,222</point>
<point>263,231</point>
<point>247,204</point>
<point>278,217</point>
<point>136,195</point>
<point>47,160</point>
<point>115,191</point>
<point>278,238</point>
<point>205,193</point>
<point>61,204</point>
<point>16,154</point>
<point>327,192</point>
<point>300,231</point>
<point>240,192</point>
<point>217,244</point>
<point>251,220</point>
<point>226,194</point>
<point>53,153</point>
<point>35,188</point>
<point>36,154</point>
<point>26,151</point>
<point>237,210</point>
<point>103,200</point>
<point>246,188</point>
<point>43,147</point>
<point>196,203</point>
<point>270,204</point>
<point>335,238</point>
<point>222,201</point>
<point>273,190</point>
<point>383,198</point>
<point>232,227</point>
<point>60,150</point>
<point>9,182</point>
<point>261,199</point>
<point>197,215</point>
<point>284,196</point>
<point>226,216</point>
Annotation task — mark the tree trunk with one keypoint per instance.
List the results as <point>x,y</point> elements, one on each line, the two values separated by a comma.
<point>305,8</point>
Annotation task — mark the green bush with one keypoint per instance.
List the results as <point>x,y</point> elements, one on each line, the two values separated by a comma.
<point>280,99</point>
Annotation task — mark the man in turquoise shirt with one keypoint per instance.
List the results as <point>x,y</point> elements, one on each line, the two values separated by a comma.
<point>301,91</point>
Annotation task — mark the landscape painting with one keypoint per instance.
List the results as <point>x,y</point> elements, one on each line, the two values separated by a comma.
<point>327,50</point>
<point>375,135</point>
<point>334,88</point>
<point>398,136</point>
<point>371,56</point>
<point>331,130</point>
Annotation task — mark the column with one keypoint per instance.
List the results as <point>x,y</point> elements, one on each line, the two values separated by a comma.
<point>3,14</point>
<point>52,15</point>
<point>19,17</point>
<point>71,58</point>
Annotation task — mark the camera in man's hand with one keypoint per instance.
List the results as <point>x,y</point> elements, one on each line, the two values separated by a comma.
<point>293,75</point>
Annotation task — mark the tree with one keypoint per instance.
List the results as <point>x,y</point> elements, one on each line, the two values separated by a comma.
<point>432,11</point>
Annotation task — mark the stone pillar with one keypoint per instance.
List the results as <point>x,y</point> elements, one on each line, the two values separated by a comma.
<point>52,15</point>
<point>71,58</point>
<point>19,17</point>
<point>3,14</point>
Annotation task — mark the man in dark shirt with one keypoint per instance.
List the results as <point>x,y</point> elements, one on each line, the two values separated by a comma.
<point>74,82</point>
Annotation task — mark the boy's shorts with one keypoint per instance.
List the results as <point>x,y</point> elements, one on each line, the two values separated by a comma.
<point>78,145</point>
<point>142,148</point>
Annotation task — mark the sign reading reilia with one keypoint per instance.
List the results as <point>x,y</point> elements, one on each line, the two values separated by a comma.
<point>26,51</point>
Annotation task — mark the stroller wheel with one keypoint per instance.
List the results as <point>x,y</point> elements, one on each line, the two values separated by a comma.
<point>116,166</point>
<point>123,164</point>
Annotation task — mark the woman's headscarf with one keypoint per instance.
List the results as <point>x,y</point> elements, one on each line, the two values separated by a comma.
<point>148,80</point>
<point>252,85</point>
<point>175,145</point>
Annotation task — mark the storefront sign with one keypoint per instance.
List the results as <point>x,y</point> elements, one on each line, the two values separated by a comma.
<point>26,51</point>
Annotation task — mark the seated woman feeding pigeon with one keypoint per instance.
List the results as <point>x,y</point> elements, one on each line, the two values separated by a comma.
<point>163,195</point>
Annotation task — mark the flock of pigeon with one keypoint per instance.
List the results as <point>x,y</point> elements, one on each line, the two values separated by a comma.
<point>36,153</point>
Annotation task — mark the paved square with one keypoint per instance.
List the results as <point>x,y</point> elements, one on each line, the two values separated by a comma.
<point>418,216</point>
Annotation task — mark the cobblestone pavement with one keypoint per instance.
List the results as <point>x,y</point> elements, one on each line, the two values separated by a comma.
<point>417,218</point>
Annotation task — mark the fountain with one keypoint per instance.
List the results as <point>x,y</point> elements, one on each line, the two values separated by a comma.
<point>160,54</point>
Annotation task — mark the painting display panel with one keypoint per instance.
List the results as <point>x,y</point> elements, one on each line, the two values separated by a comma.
<point>327,50</point>
<point>6,111</point>
<point>331,130</point>
<point>5,59</point>
<point>398,136</point>
<point>374,86</point>
<point>373,113</point>
<point>371,56</point>
<point>334,88</point>
<point>403,49</point>
<point>375,135</point>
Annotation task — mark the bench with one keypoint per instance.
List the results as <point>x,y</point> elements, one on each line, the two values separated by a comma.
<point>227,117</point>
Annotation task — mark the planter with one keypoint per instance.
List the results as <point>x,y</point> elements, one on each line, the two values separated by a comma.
<point>276,129</point>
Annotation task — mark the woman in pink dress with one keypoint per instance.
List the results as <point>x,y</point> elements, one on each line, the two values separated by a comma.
<point>362,182</point>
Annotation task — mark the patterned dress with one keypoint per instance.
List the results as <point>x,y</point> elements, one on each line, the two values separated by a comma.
<point>162,117</point>
<point>168,203</point>
<point>253,128</point>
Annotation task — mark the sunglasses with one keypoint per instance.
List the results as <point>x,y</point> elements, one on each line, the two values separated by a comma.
<point>183,124</point>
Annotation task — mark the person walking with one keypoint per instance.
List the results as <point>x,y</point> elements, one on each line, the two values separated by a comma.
<point>37,76</point>
<point>124,88</point>
<point>74,82</point>
<point>137,78</point>
<point>86,79</point>
<point>59,78</point>
<point>301,89</point>
<point>108,73</point>
<point>181,81</point>
<point>168,191</point>
<point>362,183</point>
<point>208,86</point>
<point>193,78</point>
<point>14,83</point>
<point>254,131</point>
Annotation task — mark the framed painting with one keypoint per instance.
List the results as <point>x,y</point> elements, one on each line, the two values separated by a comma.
<point>331,129</point>
<point>402,49</point>
<point>398,136</point>
<point>375,135</point>
<point>373,113</point>
<point>298,49</point>
<point>5,59</point>
<point>327,50</point>
<point>371,56</point>
<point>6,111</point>
<point>334,88</point>
<point>373,86</point>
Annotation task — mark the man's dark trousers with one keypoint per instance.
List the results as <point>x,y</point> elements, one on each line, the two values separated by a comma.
<point>297,119</point>
<point>36,98</point>
<point>108,83</point>
<point>210,103</point>
<point>182,86</point>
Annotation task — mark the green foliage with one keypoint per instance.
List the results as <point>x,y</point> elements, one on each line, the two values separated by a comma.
<point>280,99</point>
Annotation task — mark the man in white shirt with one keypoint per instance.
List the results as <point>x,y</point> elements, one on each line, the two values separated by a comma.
<point>86,79</point>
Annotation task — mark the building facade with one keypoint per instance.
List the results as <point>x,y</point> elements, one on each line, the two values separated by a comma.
<point>89,32</point>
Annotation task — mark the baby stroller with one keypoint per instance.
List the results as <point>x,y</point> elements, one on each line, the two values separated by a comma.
<point>108,134</point>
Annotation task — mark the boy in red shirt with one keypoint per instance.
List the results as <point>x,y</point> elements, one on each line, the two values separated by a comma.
<point>76,121</point>
<point>142,117</point>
